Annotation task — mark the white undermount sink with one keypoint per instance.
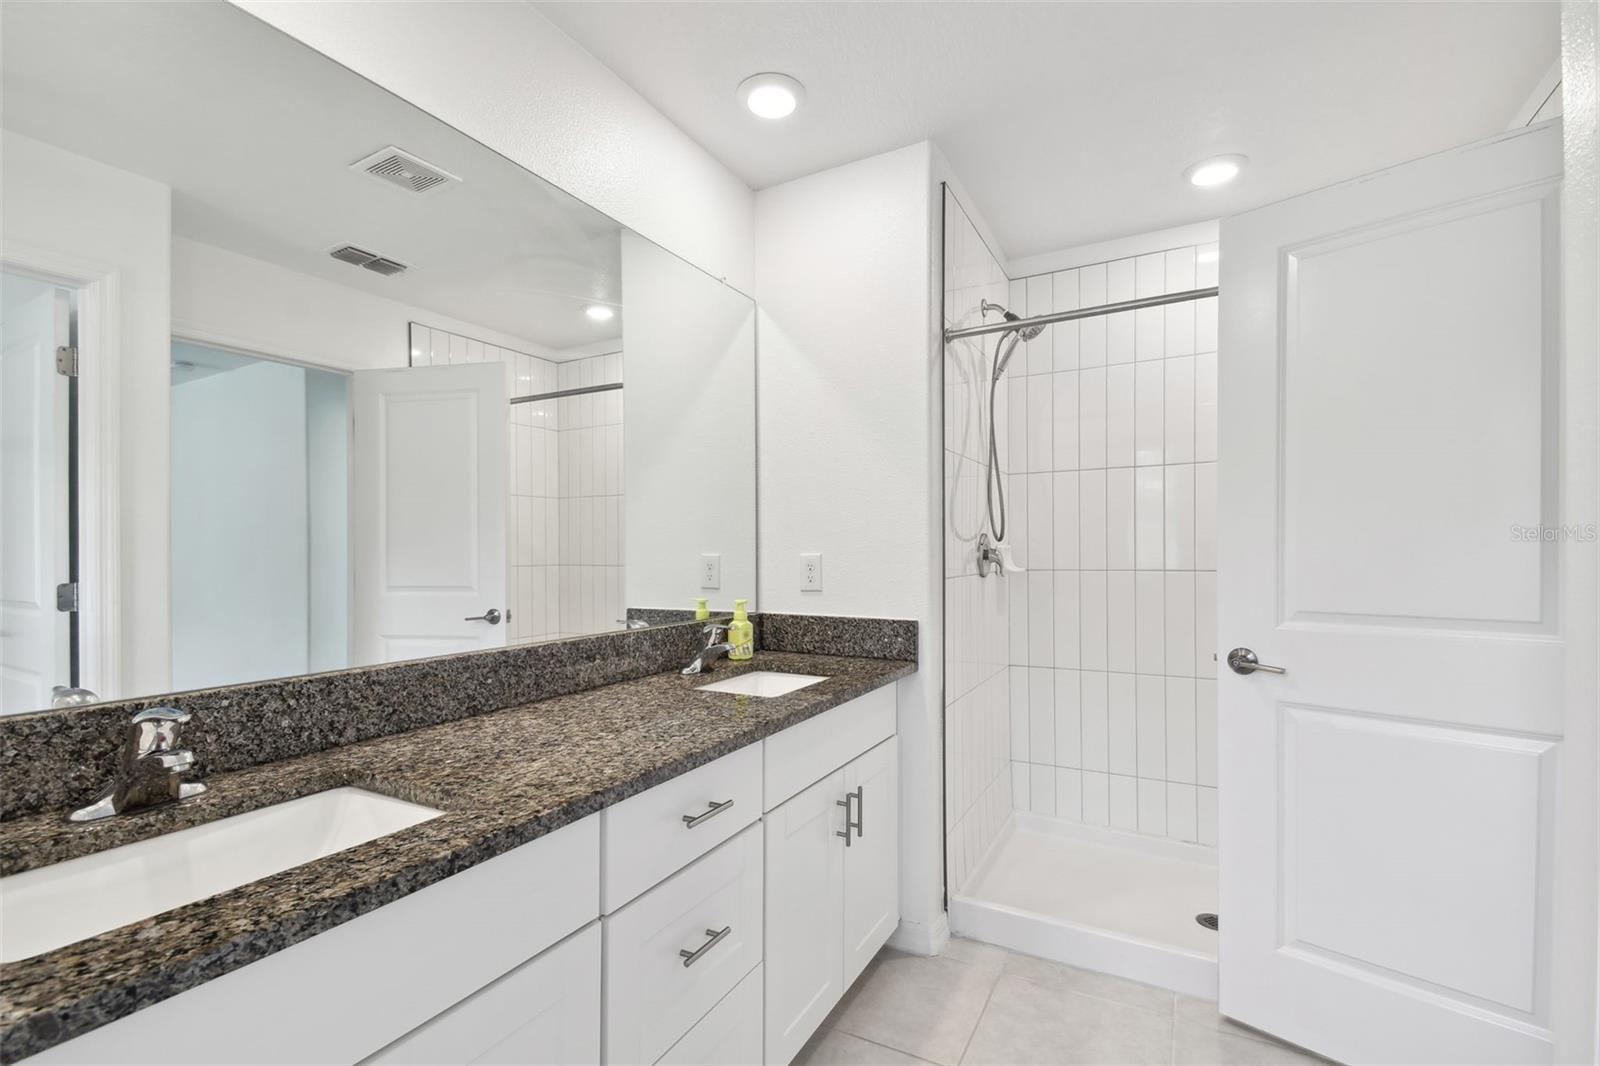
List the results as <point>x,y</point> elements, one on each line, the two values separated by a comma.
<point>762,683</point>
<point>53,906</point>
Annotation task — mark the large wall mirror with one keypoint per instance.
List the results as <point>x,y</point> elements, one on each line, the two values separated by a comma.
<point>297,377</point>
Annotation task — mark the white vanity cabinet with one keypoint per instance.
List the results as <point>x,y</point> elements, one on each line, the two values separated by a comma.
<point>714,920</point>
<point>832,893</point>
<point>546,1012</point>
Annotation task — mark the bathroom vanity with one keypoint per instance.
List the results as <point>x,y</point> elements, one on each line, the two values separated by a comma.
<point>641,872</point>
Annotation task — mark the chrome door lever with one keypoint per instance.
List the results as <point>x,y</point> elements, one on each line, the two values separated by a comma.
<point>1244,661</point>
<point>492,616</point>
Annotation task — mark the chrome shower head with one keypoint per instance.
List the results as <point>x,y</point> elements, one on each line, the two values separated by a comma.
<point>1027,333</point>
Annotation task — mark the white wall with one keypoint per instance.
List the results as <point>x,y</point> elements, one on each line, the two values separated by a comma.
<point>691,434</point>
<point>503,74</point>
<point>847,410</point>
<point>224,298</point>
<point>89,220</point>
<point>240,549</point>
<point>328,518</point>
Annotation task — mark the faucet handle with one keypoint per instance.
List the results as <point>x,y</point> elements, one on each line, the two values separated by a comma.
<point>161,714</point>
<point>153,729</point>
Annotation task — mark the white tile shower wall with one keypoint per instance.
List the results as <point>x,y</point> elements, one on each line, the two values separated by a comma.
<point>977,742</point>
<point>533,582</point>
<point>1111,473</point>
<point>590,489</point>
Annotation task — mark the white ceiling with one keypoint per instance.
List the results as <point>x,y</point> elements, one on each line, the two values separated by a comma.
<point>255,133</point>
<point>1073,122</point>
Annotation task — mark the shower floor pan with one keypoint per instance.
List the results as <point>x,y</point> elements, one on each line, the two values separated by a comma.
<point>1103,900</point>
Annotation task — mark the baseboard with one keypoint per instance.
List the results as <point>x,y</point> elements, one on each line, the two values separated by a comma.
<point>922,938</point>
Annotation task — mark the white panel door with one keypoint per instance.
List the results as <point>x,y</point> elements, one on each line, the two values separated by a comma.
<point>1390,351</point>
<point>428,521</point>
<point>805,895</point>
<point>872,859</point>
<point>34,640</point>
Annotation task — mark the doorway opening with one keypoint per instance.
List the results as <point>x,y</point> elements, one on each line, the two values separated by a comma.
<point>260,518</point>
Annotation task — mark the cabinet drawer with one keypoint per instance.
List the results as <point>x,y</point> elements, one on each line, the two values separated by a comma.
<point>808,752</point>
<point>647,837</point>
<point>729,1036</point>
<point>653,994</point>
<point>546,1012</point>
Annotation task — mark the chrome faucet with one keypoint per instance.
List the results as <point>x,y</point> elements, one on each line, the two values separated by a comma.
<point>150,771</point>
<point>715,647</point>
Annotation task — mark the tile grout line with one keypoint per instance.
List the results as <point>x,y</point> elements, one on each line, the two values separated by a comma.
<point>987,999</point>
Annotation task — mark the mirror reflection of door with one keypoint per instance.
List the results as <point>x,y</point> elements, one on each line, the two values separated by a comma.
<point>37,652</point>
<point>260,518</point>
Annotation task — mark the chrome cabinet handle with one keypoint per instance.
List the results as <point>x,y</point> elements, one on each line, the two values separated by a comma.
<point>716,935</point>
<point>850,823</point>
<point>1244,661</point>
<point>492,616</point>
<point>711,811</point>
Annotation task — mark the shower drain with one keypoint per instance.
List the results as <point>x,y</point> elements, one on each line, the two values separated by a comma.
<point>1207,919</point>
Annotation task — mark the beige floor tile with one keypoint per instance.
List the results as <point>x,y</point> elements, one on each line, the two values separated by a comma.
<point>1028,1023</point>
<point>926,1007</point>
<point>1196,1045</point>
<point>976,953</point>
<point>833,1048</point>
<point>1088,983</point>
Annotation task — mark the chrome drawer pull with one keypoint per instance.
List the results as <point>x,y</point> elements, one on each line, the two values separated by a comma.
<point>711,811</point>
<point>850,823</point>
<point>716,935</point>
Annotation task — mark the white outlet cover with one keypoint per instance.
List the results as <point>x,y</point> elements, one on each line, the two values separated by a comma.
<point>710,570</point>
<point>810,571</point>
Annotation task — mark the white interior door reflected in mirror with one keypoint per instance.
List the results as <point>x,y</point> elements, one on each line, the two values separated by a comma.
<point>34,640</point>
<point>428,521</point>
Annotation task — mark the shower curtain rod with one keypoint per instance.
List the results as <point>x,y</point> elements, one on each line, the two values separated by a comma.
<point>1082,312</point>
<point>560,393</point>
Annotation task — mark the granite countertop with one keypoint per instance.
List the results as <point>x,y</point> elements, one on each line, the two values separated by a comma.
<point>502,779</point>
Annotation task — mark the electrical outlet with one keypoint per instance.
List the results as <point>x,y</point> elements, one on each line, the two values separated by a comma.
<point>711,570</point>
<point>810,571</point>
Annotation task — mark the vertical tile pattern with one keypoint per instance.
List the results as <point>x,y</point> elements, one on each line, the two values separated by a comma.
<point>589,483</point>
<point>987,716</point>
<point>533,505</point>
<point>1122,544</point>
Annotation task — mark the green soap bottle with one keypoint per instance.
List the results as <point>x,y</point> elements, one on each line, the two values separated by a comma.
<point>702,610</point>
<point>741,634</point>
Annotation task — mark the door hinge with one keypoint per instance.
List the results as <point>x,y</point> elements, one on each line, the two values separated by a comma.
<point>67,361</point>
<point>67,596</point>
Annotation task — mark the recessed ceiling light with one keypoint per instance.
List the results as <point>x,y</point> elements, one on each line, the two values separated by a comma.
<point>1218,170</point>
<point>771,95</point>
<point>600,312</point>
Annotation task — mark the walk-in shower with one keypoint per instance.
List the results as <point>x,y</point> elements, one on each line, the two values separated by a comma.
<point>1079,687</point>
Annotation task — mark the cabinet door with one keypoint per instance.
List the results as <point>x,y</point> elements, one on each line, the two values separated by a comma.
<point>805,897</point>
<point>872,861</point>
<point>546,1012</point>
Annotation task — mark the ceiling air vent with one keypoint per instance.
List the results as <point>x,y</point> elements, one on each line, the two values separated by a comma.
<point>399,167</point>
<point>387,267</point>
<point>349,253</point>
